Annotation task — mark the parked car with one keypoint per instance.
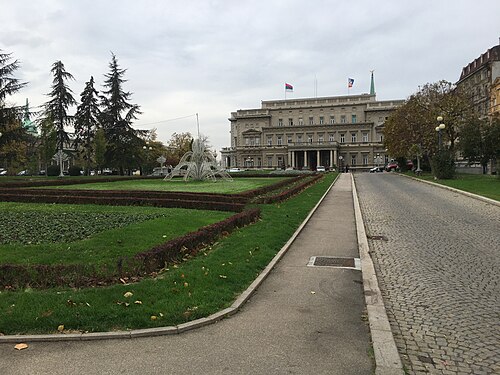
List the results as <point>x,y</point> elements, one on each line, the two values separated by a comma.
<point>3,172</point>
<point>320,168</point>
<point>24,173</point>
<point>392,166</point>
<point>377,169</point>
<point>233,170</point>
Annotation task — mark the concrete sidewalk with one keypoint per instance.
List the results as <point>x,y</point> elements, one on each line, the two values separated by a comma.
<point>300,320</point>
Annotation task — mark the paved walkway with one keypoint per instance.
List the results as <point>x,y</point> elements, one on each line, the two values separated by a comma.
<point>301,320</point>
<point>438,269</point>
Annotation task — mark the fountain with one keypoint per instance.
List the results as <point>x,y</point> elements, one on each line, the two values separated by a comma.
<point>199,164</point>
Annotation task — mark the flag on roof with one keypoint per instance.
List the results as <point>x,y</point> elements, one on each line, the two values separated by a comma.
<point>288,87</point>
<point>350,82</point>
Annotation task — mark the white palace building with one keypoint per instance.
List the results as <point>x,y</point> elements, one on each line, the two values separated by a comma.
<point>310,132</point>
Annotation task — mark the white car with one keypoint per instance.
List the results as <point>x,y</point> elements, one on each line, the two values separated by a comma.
<point>234,170</point>
<point>320,168</point>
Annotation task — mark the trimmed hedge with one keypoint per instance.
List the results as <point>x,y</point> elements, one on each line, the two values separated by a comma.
<point>290,192</point>
<point>14,276</point>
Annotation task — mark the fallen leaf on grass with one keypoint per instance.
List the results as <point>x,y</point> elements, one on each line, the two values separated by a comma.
<point>60,328</point>
<point>154,317</point>
<point>21,346</point>
<point>312,292</point>
<point>223,276</point>
<point>138,302</point>
<point>128,294</point>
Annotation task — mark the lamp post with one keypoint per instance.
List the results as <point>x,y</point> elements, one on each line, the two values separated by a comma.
<point>439,128</point>
<point>147,148</point>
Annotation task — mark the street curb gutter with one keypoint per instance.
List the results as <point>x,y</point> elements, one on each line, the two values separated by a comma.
<point>463,192</point>
<point>170,330</point>
<point>387,358</point>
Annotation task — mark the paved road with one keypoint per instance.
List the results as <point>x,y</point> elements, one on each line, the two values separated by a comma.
<point>439,272</point>
<point>302,320</point>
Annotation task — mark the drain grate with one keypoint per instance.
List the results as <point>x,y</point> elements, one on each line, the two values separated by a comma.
<point>379,238</point>
<point>322,261</point>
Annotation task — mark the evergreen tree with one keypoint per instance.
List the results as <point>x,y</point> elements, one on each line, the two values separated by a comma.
<point>57,107</point>
<point>116,119</point>
<point>86,123</point>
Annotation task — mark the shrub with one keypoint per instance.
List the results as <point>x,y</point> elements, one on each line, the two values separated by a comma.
<point>75,170</point>
<point>53,170</point>
<point>443,165</point>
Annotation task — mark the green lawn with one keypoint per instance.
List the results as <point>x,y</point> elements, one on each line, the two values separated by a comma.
<point>90,234</point>
<point>237,185</point>
<point>196,288</point>
<point>485,185</point>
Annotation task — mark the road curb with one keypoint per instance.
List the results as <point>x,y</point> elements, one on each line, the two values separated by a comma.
<point>169,330</point>
<point>387,360</point>
<point>463,192</point>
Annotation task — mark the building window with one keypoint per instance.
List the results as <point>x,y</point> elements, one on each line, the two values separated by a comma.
<point>301,121</point>
<point>269,161</point>
<point>321,120</point>
<point>332,119</point>
<point>269,141</point>
<point>342,119</point>
<point>320,139</point>
<point>280,122</point>
<point>353,160</point>
<point>342,138</point>
<point>381,138</point>
<point>280,161</point>
<point>247,141</point>
<point>289,140</point>
<point>257,141</point>
<point>365,137</point>
<point>311,120</point>
<point>290,121</point>
<point>353,119</point>
<point>365,159</point>
<point>279,140</point>
<point>310,138</point>
<point>353,137</point>
<point>299,138</point>
<point>331,138</point>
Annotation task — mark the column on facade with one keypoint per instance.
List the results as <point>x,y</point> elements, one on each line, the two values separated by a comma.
<point>292,159</point>
<point>335,156</point>
<point>305,159</point>
<point>331,158</point>
<point>318,161</point>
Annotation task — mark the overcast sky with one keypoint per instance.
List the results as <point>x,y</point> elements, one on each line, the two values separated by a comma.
<point>216,56</point>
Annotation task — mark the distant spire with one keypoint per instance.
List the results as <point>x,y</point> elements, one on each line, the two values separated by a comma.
<point>372,85</point>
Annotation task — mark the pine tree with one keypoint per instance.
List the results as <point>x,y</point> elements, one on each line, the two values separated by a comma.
<point>12,143</point>
<point>87,123</point>
<point>57,108</point>
<point>116,118</point>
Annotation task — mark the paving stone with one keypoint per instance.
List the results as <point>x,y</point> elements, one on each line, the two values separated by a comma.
<point>438,272</point>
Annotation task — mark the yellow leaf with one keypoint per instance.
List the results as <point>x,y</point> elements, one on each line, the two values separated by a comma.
<point>223,276</point>
<point>21,346</point>
<point>154,317</point>
<point>60,328</point>
<point>128,294</point>
<point>138,302</point>
<point>313,292</point>
<point>186,285</point>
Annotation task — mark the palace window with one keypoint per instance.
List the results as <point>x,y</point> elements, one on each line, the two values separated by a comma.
<point>290,121</point>
<point>365,159</point>
<point>332,119</point>
<point>301,121</point>
<point>289,140</point>
<point>257,141</point>
<point>331,138</point>
<point>310,138</point>
<point>280,122</point>
<point>299,138</point>
<point>269,141</point>
<point>321,120</point>
<point>342,119</point>
<point>353,119</point>
<point>353,137</point>
<point>353,160</point>
<point>269,161</point>
<point>365,137</point>
<point>342,138</point>
<point>279,140</point>
<point>311,120</point>
<point>320,139</point>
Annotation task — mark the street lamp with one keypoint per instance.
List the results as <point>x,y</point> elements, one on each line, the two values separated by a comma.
<point>439,128</point>
<point>147,148</point>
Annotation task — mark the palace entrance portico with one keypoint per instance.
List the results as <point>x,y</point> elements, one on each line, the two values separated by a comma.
<point>309,155</point>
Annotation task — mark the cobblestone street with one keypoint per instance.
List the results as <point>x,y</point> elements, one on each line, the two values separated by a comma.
<point>439,271</point>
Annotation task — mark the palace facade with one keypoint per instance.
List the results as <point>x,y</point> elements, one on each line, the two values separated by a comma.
<point>305,133</point>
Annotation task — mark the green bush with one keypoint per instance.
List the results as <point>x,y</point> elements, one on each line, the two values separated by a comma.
<point>443,165</point>
<point>75,170</point>
<point>53,170</point>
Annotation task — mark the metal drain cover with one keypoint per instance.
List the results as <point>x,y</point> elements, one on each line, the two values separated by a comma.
<point>336,262</point>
